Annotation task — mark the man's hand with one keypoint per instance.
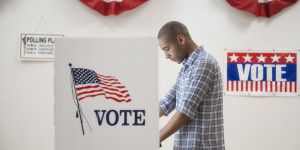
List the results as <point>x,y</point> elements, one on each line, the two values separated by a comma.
<point>175,123</point>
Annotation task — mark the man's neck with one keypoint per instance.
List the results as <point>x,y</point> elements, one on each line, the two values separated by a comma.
<point>193,46</point>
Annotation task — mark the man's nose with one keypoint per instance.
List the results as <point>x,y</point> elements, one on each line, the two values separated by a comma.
<point>167,55</point>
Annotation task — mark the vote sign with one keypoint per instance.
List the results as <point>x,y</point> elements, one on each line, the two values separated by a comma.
<point>262,73</point>
<point>106,94</point>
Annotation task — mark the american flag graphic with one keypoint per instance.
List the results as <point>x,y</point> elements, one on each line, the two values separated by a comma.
<point>261,72</point>
<point>90,84</point>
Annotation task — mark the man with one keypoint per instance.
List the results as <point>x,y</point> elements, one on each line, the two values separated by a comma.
<point>197,94</point>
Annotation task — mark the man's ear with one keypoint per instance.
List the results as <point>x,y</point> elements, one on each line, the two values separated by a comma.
<point>181,39</point>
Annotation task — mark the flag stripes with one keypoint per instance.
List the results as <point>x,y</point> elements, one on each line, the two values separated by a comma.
<point>261,86</point>
<point>90,84</point>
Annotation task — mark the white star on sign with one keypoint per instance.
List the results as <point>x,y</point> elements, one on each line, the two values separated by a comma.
<point>289,58</point>
<point>247,58</point>
<point>275,58</point>
<point>233,58</point>
<point>261,58</point>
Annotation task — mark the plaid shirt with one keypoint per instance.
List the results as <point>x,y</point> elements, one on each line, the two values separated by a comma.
<point>198,94</point>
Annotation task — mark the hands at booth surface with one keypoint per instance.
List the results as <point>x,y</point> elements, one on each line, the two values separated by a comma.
<point>175,123</point>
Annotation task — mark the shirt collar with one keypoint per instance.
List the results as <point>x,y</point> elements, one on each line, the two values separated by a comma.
<point>189,61</point>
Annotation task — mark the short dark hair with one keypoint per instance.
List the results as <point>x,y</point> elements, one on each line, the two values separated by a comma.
<point>171,29</point>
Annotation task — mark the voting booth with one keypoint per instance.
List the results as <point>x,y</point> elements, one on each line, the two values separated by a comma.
<point>106,94</point>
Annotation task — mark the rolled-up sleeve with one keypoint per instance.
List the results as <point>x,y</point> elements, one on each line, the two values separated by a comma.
<point>168,103</point>
<point>196,90</point>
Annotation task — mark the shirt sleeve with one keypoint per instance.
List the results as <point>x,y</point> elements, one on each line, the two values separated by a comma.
<point>168,103</point>
<point>196,90</point>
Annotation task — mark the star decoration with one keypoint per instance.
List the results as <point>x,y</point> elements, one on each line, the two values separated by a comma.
<point>261,58</point>
<point>289,58</point>
<point>275,58</point>
<point>247,58</point>
<point>233,58</point>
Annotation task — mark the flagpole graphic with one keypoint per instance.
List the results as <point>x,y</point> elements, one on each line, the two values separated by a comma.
<point>78,105</point>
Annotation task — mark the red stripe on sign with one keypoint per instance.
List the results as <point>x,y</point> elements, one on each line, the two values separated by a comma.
<point>228,85</point>
<point>246,85</point>
<point>280,86</point>
<point>296,87</point>
<point>256,87</point>
<point>271,87</point>
<point>285,87</point>
<point>251,86</point>
<point>261,86</point>
<point>291,89</point>
<point>275,87</point>
<point>242,86</point>
<point>237,85</point>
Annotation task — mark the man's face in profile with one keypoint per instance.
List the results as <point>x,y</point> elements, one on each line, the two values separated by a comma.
<point>172,50</point>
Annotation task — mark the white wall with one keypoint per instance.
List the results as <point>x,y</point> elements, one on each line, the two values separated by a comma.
<point>26,109</point>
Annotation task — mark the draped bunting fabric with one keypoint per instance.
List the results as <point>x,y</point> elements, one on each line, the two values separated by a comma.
<point>264,8</point>
<point>108,7</point>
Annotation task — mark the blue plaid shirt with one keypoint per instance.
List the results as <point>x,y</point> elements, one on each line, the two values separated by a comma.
<point>198,94</point>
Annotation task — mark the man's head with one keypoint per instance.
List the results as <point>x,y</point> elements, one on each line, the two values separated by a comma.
<point>175,40</point>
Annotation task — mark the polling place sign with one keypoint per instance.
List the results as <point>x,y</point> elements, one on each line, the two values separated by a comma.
<point>254,72</point>
<point>38,46</point>
<point>106,94</point>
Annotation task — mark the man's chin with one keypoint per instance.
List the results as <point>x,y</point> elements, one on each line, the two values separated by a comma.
<point>179,62</point>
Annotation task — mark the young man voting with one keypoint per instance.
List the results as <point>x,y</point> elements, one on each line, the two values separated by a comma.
<point>197,94</point>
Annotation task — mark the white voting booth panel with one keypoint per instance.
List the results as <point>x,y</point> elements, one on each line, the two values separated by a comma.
<point>106,94</point>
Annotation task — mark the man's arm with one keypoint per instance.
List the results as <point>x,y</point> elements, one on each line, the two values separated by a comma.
<point>175,123</point>
<point>167,103</point>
